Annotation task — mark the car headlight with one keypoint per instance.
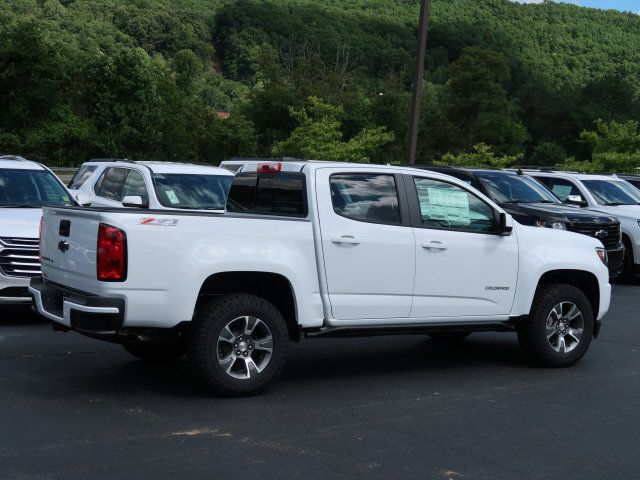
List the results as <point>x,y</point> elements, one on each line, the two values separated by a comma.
<point>638,222</point>
<point>554,225</point>
<point>602,254</point>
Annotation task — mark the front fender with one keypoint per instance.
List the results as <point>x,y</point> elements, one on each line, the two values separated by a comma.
<point>546,250</point>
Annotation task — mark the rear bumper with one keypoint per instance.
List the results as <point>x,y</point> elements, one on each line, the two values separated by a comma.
<point>88,314</point>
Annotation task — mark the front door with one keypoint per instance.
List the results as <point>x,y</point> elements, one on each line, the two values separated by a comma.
<point>463,268</point>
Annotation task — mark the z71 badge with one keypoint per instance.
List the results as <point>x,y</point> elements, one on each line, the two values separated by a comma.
<point>159,222</point>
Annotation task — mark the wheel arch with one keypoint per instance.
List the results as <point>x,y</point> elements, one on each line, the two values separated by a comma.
<point>581,279</point>
<point>273,287</point>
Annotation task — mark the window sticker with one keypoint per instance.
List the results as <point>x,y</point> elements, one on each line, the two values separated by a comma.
<point>562,191</point>
<point>173,198</point>
<point>446,204</point>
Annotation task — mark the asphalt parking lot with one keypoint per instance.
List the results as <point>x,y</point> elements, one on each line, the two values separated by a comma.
<point>388,407</point>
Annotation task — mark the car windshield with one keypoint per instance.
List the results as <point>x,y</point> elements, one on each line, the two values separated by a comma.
<point>612,192</point>
<point>31,188</point>
<point>190,191</point>
<point>509,188</point>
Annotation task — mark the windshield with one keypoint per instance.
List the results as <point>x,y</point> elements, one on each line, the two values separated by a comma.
<point>190,191</point>
<point>31,188</point>
<point>507,188</point>
<point>612,192</point>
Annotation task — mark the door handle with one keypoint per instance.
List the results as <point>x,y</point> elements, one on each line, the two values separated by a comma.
<point>435,246</point>
<point>346,240</point>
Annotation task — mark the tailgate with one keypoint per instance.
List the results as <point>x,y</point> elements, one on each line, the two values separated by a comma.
<point>68,247</point>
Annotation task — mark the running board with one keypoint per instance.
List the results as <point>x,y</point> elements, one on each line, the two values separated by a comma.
<point>380,330</point>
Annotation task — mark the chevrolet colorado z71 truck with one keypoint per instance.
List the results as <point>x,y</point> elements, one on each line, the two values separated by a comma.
<point>317,249</point>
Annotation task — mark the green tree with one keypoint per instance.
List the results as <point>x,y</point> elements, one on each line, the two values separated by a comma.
<point>481,157</point>
<point>318,136</point>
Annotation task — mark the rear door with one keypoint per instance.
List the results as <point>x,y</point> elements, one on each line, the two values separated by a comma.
<point>367,243</point>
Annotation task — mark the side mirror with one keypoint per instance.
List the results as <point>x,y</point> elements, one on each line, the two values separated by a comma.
<point>133,201</point>
<point>504,223</point>
<point>576,200</point>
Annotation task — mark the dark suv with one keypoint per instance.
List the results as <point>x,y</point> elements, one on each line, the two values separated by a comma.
<point>531,203</point>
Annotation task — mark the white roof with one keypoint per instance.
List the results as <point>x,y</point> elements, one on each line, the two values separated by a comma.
<point>298,165</point>
<point>192,168</point>
<point>577,176</point>
<point>18,163</point>
<point>166,167</point>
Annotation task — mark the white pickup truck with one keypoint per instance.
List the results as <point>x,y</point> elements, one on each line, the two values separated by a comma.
<point>317,249</point>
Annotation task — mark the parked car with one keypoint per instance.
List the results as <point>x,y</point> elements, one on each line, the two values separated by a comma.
<point>153,185</point>
<point>318,249</point>
<point>531,203</point>
<point>25,187</point>
<point>607,194</point>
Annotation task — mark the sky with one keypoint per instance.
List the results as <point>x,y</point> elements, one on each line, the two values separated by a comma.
<point>626,5</point>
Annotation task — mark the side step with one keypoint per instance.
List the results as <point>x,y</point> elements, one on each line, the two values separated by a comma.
<point>379,330</point>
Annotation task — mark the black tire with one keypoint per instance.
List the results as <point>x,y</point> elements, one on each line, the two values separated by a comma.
<point>449,337</point>
<point>532,334</point>
<point>203,346</point>
<point>627,275</point>
<point>156,352</point>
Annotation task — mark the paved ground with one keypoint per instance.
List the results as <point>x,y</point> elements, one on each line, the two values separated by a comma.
<point>396,407</point>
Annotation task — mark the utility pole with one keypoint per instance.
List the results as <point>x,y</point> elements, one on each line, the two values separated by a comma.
<point>418,76</point>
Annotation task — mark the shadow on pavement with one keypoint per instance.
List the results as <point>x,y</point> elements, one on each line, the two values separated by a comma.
<point>309,363</point>
<point>19,315</point>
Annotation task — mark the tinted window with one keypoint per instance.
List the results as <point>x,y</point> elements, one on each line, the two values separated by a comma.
<point>134,186</point>
<point>612,192</point>
<point>268,194</point>
<point>193,192</point>
<point>447,206</point>
<point>510,188</point>
<point>562,188</point>
<point>31,188</point>
<point>365,197</point>
<point>634,182</point>
<point>81,176</point>
<point>111,183</point>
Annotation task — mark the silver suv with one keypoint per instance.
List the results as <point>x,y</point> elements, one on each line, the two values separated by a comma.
<point>25,187</point>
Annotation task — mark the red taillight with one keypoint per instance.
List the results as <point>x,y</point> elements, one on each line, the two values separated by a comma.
<point>40,240</point>
<point>111,254</point>
<point>269,167</point>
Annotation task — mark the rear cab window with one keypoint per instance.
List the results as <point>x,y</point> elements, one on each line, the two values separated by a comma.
<point>282,194</point>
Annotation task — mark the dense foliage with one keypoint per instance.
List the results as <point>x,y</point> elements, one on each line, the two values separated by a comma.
<point>504,82</point>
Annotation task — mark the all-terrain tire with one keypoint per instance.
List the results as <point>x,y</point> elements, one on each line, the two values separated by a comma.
<point>204,343</point>
<point>533,333</point>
